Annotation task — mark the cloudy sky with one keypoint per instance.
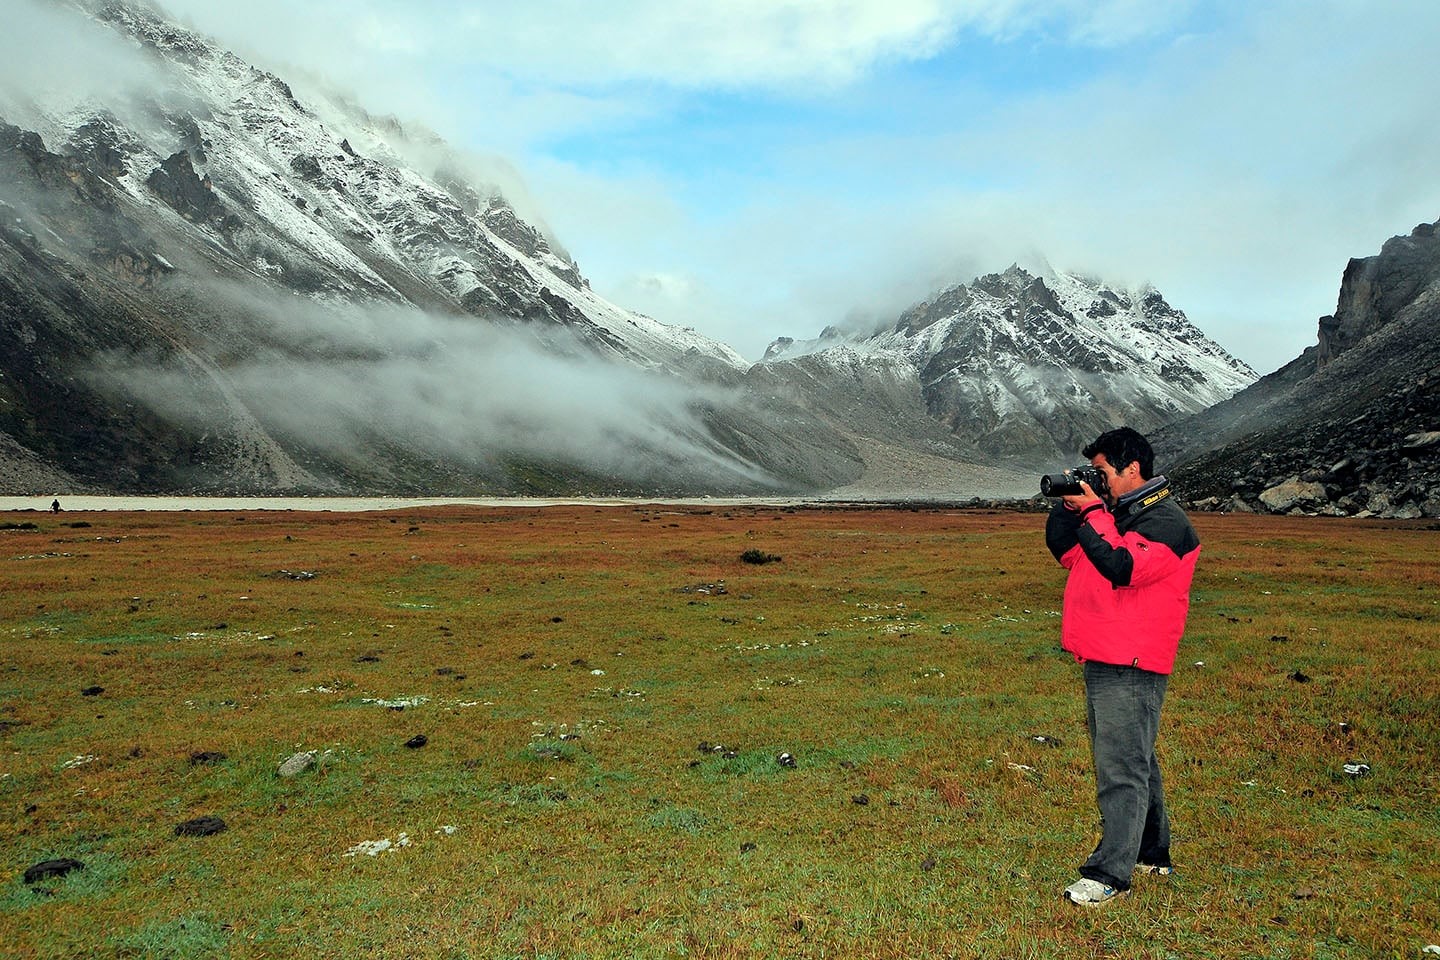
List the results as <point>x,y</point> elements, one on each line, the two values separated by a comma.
<point>757,168</point>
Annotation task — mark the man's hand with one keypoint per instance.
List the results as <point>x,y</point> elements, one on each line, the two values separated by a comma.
<point>1081,501</point>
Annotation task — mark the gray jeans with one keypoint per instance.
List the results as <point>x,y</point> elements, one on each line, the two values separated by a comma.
<point>1122,708</point>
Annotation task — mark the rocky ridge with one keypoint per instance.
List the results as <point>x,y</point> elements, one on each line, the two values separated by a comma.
<point>1025,368</point>
<point>1351,427</point>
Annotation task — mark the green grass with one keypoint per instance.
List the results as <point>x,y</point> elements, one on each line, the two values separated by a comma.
<point>941,794</point>
<point>181,938</point>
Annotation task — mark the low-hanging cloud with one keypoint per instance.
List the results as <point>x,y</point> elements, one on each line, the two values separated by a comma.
<point>1234,169</point>
<point>51,53</point>
<point>57,62</point>
<point>1221,158</point>
<point>340,378</point>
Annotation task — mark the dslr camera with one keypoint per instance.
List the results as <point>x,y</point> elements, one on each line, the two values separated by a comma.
<point>1067,484</point>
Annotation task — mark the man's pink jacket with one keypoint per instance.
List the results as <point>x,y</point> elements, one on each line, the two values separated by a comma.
<point>1128,592</point>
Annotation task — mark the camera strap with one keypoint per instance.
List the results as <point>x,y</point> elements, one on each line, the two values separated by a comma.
<point>1132,507</point>
<point>1153,499</point>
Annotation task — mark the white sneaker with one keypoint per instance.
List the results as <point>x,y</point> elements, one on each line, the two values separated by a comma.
<point>1091,893</point>
<point>1155,869</point>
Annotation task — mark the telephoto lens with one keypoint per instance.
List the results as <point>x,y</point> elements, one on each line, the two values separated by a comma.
<point>1067,484</point>
<point>1059,485</point>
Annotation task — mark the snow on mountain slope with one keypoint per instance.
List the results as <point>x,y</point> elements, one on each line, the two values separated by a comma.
<point>1033,367</point>
<point>302,207</point>
<point>207,287</point>
<point>221,284</point>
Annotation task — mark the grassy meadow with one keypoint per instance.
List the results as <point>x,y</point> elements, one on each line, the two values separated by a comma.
<point>606,694</point>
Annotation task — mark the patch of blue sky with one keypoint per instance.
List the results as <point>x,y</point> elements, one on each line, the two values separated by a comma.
<point>712,145</point>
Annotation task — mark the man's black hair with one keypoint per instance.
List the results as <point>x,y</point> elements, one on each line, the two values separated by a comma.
<point>1121,446</point>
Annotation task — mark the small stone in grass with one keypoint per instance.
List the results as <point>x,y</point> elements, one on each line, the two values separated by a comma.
<point>417,741</point>
<point>297,764</point>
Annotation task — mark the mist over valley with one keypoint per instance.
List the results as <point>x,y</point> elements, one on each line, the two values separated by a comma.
<point>211,283</point>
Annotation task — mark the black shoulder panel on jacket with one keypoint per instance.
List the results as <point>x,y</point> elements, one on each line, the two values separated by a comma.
<point>1164,523</point>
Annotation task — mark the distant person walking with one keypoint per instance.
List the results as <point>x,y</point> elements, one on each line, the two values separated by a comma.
<point>1131,556</point>
<point>55,505</point>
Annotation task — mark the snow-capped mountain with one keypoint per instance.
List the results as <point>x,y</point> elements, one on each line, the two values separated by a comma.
<point>1030,368</point>
<point>234,152</point>
<point>209,283</point>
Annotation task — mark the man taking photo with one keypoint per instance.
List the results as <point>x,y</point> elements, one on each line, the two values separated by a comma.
<point>1131,556</point>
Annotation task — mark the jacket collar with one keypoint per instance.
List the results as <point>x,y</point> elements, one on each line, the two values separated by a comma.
<point>1142,498</point>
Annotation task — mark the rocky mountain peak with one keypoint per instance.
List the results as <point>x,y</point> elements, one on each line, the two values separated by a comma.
<point>1031,367</point>
<point>149,26</point>
<point>1374,289</point>
<point>778,347</point>
<point>1351,427</point>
